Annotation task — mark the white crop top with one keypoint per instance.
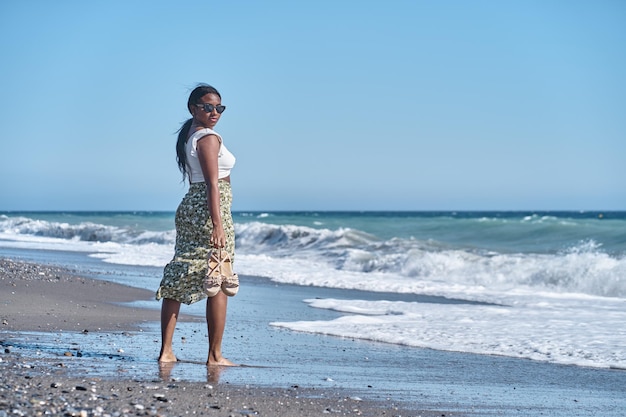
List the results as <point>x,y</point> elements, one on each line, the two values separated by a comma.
<point>225,159</point>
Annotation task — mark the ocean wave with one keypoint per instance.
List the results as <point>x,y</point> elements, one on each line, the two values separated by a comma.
<point>349,258</point>
<point>583,268</point>
<point>561,304</point>
<point>84,231</point>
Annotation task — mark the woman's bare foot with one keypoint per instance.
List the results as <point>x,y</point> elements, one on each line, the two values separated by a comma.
<point>167,358</point>
<point>220,362</point>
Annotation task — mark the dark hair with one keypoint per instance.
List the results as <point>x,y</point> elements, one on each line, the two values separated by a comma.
<point>183,133</point>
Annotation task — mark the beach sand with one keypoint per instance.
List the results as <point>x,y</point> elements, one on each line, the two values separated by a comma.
<point>75,346</point>
<point>49,298</point>
<point>54,300</point>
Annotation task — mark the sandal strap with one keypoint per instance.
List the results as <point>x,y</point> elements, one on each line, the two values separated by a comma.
<point>220,261</point>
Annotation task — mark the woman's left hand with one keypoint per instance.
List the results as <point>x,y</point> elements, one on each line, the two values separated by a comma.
<point>218,238</point>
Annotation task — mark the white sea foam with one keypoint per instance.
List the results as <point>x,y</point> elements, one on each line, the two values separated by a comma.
<point>347,258</point>
<point>565,306</point>
<point>579,331</point>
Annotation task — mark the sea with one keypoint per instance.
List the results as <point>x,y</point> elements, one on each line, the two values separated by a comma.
<point>541,285</point>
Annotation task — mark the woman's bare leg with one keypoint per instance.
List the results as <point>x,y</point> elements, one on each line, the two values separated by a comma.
<point>169,315</point>
<point>216,322</point>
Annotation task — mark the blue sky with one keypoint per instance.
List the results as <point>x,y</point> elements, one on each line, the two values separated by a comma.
<point>332,105</point>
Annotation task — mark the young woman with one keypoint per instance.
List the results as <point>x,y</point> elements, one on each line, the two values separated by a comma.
<point>203,223</point>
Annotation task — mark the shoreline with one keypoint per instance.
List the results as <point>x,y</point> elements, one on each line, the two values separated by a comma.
<point>103,372</point>
<point>57,383</point>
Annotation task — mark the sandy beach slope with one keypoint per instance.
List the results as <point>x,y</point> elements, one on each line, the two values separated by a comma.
<point>49,298</point>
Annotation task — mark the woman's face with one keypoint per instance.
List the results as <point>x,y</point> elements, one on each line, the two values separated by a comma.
<point>201,116</point>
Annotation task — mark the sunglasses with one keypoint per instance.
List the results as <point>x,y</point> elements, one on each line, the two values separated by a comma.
<point>207,107</point>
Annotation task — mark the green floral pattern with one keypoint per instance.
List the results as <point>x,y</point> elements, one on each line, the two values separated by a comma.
<point>184,275</point>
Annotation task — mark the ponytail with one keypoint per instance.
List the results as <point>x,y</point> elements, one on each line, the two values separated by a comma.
<point>181,154</point>
<point>183,133</point>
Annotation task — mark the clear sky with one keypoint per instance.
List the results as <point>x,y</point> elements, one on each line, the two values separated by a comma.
<point>332,105</point>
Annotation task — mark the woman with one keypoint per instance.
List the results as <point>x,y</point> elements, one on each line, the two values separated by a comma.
<point>203,222</point>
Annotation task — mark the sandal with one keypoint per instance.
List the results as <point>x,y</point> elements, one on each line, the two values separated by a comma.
<point>230,280</point>
<point>213,278</point>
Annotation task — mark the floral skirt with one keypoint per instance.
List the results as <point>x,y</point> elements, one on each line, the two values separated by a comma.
<point>184,275</point>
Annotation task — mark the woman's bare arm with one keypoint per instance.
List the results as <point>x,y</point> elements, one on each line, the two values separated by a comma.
<point>208,149</point>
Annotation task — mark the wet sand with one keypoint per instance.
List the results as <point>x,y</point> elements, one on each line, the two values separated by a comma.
<point>54,300</point>
<point>70,345</point>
